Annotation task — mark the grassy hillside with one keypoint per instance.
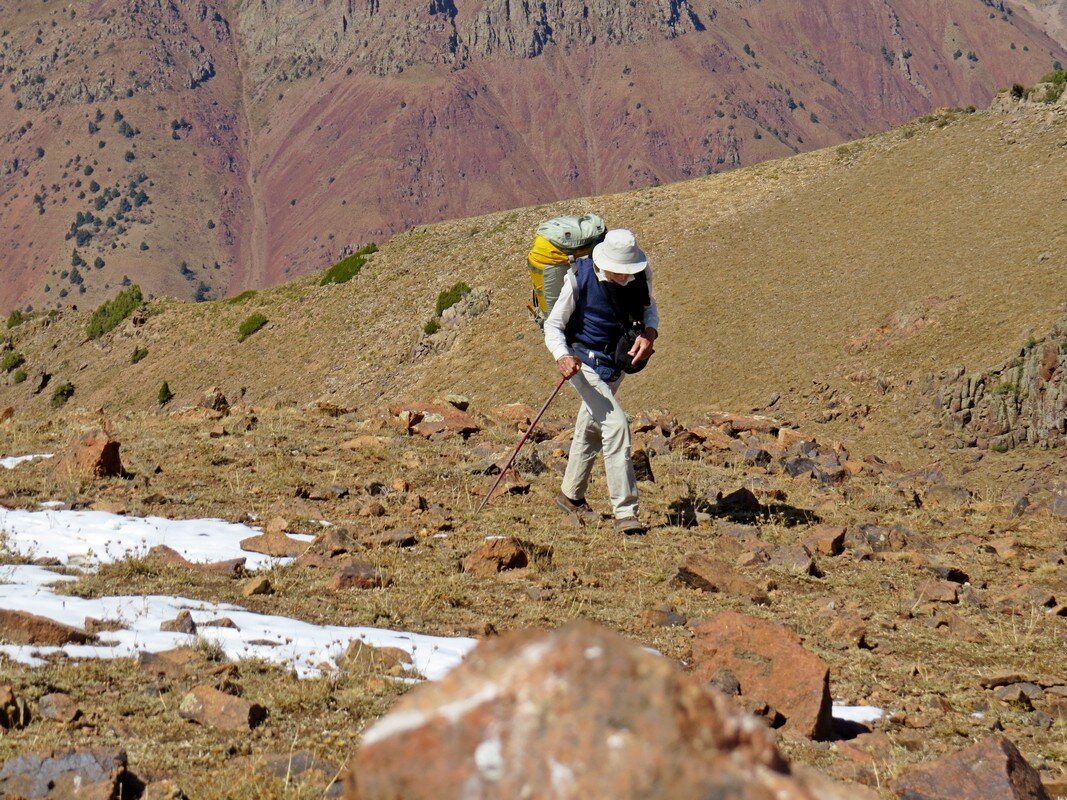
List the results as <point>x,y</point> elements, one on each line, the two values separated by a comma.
<point>768,278</point>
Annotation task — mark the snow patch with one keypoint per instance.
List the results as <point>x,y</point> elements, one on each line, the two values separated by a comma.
<point>90,538</point>
<point>306,648</point>
<point>13,461</point>
<point>860,714</point>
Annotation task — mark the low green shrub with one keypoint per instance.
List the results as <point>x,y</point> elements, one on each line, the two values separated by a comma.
<point>108,316</point>
<point>139,354</point>
<point>344,270</point>
<point>250,326</point>
<point>11,361</point>
<point>62,394</point>
<point>432,327</point>
<point>19,376</point>
<point>348,268</point>
<point>243,297</point>
<point>449,297</point>
<point>15,318</point>
<point>165,395</point>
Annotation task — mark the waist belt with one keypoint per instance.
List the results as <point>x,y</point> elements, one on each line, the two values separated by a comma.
<point>600,362</point>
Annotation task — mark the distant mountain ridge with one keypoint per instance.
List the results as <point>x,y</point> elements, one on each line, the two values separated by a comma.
<point>204,147</point>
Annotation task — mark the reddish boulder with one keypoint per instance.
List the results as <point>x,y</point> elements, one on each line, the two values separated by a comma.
<point>273,541</point>
<point>208,706</point>
<point>357,575</point>
<point>94,456</point>
<point>992,769</point>
<point>428,419</point>
<point>772,667</point>
<point>711,575</point>
<point>579,712</point>
<point>500,553</point>
<point>171,557</point>
<point>21,627</point>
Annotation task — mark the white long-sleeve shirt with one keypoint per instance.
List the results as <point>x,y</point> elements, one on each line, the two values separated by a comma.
<point>556,324</point>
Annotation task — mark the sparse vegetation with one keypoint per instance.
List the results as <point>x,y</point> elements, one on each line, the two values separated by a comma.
<point>19,376</point>
<point>139,354</point>
<point>1058,79</point>
<point>348,268</point>
<point>11,361</point>
<point>108,316</point>
<point>449,297</point>
<point>243,297</point>
<point>165,395</point>
<point>15,318</point>
<point>62,394</point>
<point>252,324</point>
<point>432,327</point>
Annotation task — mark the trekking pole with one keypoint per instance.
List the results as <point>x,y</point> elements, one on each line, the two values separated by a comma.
<point>522,441</point>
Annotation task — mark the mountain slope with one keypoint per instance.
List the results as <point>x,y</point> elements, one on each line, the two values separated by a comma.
<point>265,137</point>
<point>862,268</point>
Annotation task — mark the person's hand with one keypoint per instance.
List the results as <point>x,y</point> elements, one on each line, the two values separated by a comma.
<point>642,349</point>
<point>568,366</point>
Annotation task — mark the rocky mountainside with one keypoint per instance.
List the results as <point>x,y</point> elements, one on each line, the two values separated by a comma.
<point>200,148</point>
<point>836,286</point>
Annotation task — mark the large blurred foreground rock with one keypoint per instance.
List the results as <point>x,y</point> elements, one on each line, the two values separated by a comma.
<point>63,774</point>
<point>992,769</point>
<point>579,712</point>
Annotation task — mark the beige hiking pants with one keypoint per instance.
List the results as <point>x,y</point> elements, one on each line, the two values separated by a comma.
<point>601,426</point>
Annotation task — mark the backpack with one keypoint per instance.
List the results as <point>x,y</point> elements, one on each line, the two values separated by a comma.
<point>557,243</point>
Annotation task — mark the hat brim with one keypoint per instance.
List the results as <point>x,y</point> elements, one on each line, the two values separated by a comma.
<point>619,267</point>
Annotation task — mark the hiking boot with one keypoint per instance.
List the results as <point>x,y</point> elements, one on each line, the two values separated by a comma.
<point>578,510</point>
<point>630,526</point>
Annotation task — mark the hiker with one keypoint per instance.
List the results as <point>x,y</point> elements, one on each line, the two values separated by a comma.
<point>602,326</point>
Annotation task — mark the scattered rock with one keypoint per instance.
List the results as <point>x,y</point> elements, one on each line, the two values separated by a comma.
<point>827,540</point>
<point>273,541</point>
<point>432,419</point>
<point>794,558</point>
<point>177,663</point>
<point>206,705</point>
<point>642,465</point>
<point>14,711</point>
<point>167,555</point>
<point>163,790</point>
<point>992,769</point>
<point>215,400</point>
<point>771,665</point>
<point>59,707</point>
<point>398,537</point>
<point>712,575</point>
<point>580,709</point>
<point>362,656</point>
<point>500,553</point>
<point>183,623</point>
<point>257,585</point>
<point>21,627</point>
<point>937,591</point>
<point>93,456</point>
<point>665,617</point>
<point>62,774</point>
<point>357,575</point>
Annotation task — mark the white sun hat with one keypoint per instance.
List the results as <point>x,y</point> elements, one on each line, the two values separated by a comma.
<point>619,253</point>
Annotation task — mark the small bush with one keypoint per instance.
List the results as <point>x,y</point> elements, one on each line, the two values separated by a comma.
<point>250,326</point>
<point>451,296</point>
<point>62,394</point>
<point>432,327</point>
<point>165,395</point>
<point>15,318</point>
<point>243,297</point>
<point>139,354</point>
<point>11,361</point>
<point>344,270</point>
<point>114,311</point>
<point>19,376</point>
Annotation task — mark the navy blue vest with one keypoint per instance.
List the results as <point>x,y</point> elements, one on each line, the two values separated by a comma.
<point>604,309</point>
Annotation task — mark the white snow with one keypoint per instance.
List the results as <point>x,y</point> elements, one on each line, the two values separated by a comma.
<point>87,539</point>
<point>91,538</point>
<point>13,461</point>
<point>306,648</point>
<point>861,714</point>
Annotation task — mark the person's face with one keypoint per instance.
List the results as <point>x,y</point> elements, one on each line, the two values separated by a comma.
<point>616,277</point>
